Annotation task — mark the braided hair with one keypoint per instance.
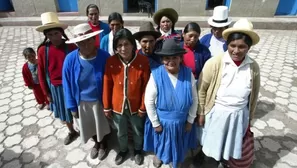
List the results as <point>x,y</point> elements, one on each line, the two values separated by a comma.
<point>65,37</point>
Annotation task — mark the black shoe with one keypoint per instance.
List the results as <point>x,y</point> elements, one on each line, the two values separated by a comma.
<point>70,137</point>
<point>138,157</point>
<point>199,158</point>
<point>121,157</point>
<point>94,151</point>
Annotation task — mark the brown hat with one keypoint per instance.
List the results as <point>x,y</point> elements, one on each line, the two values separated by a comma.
<point>146,28</point>
<point>168,12</point>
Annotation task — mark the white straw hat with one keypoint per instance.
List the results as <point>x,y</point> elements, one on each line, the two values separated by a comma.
<point>50,20</point>
<point>82,32</point>
<point>243,26</point>
<point>220,17</point>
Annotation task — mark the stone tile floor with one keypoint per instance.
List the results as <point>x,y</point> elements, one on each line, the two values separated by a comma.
<point>31,139</point>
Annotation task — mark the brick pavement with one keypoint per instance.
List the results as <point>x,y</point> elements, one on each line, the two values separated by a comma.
<point>30,138</point>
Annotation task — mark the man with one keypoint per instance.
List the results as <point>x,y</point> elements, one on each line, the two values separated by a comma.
<point>147,37</point>
<point>218,23</point>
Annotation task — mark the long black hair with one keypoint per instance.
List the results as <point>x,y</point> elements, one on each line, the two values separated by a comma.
<point>48,30</point>
<point>92,6</point>
<point>238,36</point>
<point>170,18</point>
<point>192,26</point>
<point>124,34</point>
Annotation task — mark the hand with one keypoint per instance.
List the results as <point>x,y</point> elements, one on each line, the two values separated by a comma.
<point>49,98</point>
<point>74,114</point>
<point>159,129</point>
<point>201,120</point>
<point>108,114</point>
<point>141,115</point>
<point>188,127</point>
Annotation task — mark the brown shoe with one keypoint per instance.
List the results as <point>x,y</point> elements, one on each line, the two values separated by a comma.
<point>41,106</point>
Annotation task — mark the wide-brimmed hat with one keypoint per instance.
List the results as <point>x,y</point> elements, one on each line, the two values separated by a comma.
<point>220,17</point>
<point>82,32</point>
<point>168,12</point>
<point>146,28</point>
<point>243,26</point>
<point>170,48</point>
<point>50,20</point>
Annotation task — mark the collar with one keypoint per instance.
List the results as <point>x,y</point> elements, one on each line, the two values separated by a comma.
<point>127,63</point>
<point>165,34</point>
<point>227,59</point>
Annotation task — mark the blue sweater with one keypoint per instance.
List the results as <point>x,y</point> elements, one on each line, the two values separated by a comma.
<point>105,28</point>
<point>155,61</point>
<point>70,77</point>
<point>205,40</point>
<point>104,43</point>
<point>201,54</point>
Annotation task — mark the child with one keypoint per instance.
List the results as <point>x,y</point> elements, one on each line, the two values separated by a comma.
<point>31,79</point>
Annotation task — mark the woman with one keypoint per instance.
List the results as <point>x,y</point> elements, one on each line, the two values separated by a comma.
<point>197,54</point>
<point>51,55</point>
<point>116,23</point>
<point>125,80</point>
<point>219,22</point>
<point>166,19</point>
<point>171,103</point>
<point>93,13</point>
<point>147,37</point>
<point>228,92</point>
<point>83,72</point>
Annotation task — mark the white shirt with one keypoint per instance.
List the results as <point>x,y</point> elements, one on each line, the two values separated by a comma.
<point>150,99</point>
<point>216,46</point>
<point>110,43</point>
<point>166,34</point>
<point>235,85</point>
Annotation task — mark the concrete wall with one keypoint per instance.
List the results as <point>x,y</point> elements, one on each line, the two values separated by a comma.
<point>253,8</point>
<point>33,7</point>
<point>105,6</point>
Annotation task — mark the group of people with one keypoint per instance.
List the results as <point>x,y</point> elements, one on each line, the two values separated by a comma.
<point>175,93</point>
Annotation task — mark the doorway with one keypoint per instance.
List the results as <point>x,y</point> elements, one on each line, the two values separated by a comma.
<point>131,6</point>
<point>211,4</point>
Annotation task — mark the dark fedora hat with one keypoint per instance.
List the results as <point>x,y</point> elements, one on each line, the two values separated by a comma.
<point>146,28</point>
<point>168,12</point>
<point>170,48</point>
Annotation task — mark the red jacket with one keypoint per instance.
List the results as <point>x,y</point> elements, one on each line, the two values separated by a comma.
<point>27,75</point>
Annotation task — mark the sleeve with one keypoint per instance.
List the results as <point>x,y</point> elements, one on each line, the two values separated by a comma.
<point>104,43</point>
<point>203,84</point>
<point>67,84</point>
<point>25,76</point>
<point>256,91</point>
<point>150,99</point>
<point>193,109</point>
<point>41,71</point>
<point>107,87</point>
<point>145,79</point>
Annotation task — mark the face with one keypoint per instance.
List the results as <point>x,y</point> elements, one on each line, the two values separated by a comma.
<point>172,63</point>
<point>238,49</point>
<point>87,46</point>
<point>147,44</point>
<point>31,58</point>
<point>218,31</point>
<point>165,24</point>
<point>115,26</point>
<point>93,16</point>
<point>124,49</point>
<point>55,36</point>
<point>191,38</point>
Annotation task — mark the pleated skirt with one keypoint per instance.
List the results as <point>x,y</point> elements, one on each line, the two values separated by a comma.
<point>223,132</point>
<point>58,105</point>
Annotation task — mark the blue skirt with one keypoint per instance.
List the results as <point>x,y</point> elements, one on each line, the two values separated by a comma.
<point>173,143</point>
<point>58,105</point>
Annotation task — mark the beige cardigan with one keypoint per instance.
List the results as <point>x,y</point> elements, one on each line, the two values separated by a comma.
<point>210,81</point>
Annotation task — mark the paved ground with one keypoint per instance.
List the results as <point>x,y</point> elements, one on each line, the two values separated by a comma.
<point>30,138</point>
